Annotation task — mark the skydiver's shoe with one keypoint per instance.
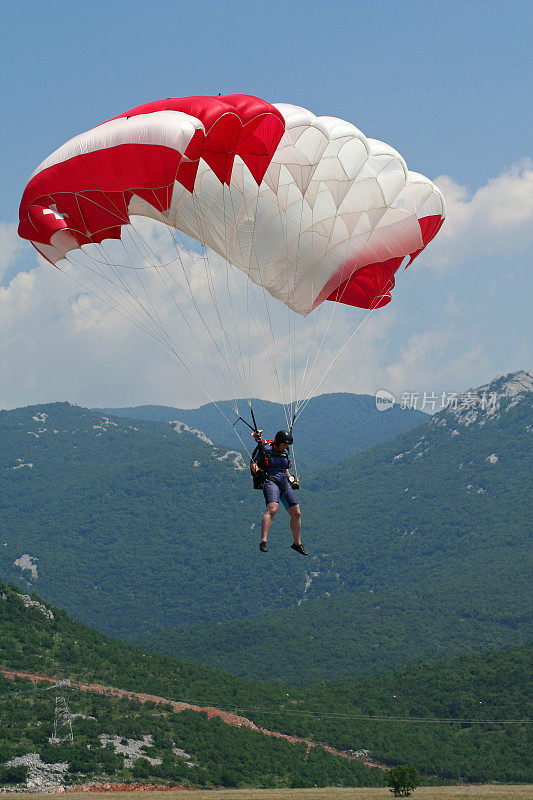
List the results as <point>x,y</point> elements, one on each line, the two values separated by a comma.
<point>299,549</point>
<point>263,547</point>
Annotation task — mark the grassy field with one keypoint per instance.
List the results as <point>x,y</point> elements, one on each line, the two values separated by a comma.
<point>486,792</point>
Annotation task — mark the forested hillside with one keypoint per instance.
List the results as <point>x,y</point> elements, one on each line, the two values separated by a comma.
<point>360,633</point>
<point>138,512</point>
<point>429,536</point>
<point>335,425</point>
<point>160,529</point>
<point>445,718</point>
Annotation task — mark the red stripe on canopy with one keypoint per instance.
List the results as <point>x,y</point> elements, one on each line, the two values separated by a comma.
<point>234,125</point>
<point>371,286</point>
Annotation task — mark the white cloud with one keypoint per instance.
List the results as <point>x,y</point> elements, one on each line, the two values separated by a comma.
<point>436,360</point>
<point>10,246</point>
<point>496,221</point>
<point>59,343</point>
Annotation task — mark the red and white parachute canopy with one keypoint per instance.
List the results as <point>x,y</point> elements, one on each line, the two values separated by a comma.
<point>308,207</point>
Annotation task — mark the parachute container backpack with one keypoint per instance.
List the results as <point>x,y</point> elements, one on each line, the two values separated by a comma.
<point>237,233</point>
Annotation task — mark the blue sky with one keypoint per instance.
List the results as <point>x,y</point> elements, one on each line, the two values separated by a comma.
<point>449,84</point>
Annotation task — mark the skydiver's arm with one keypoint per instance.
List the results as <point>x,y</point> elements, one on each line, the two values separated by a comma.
<point>292,481</point>
<point>253,461</point>
<point>258,456</point>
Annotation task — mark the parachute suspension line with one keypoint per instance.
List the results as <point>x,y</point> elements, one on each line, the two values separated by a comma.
<point>323,376</point>
<point>291,363</point>
<point>239,363</point>
<point>229,348</point>
<point>207,268</point>
<point>335,304</point>
<point>248,384</point>
<point>272,350</point>
<point>191,294</point>
<point>318,317</point>
<point>269,341</point>
<point>246,296</point>
<point>127,296</point>
<point>267,298</point>
<point>252,317</point>
<point>292,344</point>
<point>285,335</point>
<point>110,301</point>
<point>241,356</point>
<point>219,374</point>
<point>124,288</point>
<point>299,395</point>
<point>271,344</point>
<point>248,340</point>
<point>307,377</point>
<point>83,269</point>
<point>164,336</point>
<point>304,379</point>
<point>166,267</point>
<point>117,283</point>
<point>127,288</point>
<point>310,344</point>
<point>138,274</point>
<point>239,367</point>
<point>302,207</point>
<point>182,358</point>
<point>157,323</point>
<point>344,346</point>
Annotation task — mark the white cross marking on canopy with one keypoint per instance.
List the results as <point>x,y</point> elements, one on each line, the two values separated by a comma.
<point>53,210</point>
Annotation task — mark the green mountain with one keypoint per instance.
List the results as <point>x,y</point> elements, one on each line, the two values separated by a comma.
<point>429,537</point>
<point>131,526</point>
<point>456,720</point>
<point>491,686</point>
<point>335,425</point>
<point>359,633</point>
<point>124,738</point>
<point>141,527</point>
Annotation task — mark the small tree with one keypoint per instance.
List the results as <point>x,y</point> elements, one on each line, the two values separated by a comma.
<point>402,780</point>
<point>141,768</point>
<point>13,775</point>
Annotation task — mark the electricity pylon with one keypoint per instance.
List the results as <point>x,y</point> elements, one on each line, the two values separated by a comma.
<point>62,717</point>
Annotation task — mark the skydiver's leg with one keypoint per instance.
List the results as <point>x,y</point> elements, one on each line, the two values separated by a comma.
<point>296,523</point>
<point>268,518</point>
<point>271,494</point>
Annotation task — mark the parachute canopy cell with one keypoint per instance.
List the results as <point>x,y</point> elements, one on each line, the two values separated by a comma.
<point>308,207</point>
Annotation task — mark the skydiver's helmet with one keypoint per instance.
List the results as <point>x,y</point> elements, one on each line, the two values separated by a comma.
<point>283,437</point>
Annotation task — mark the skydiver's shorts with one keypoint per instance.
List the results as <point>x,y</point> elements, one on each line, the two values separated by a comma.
<point>272,495</point>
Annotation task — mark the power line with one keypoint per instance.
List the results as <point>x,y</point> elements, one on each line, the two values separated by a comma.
<point>204,705</point>
<point>377,718</point>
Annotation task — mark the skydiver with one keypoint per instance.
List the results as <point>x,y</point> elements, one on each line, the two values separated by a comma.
<point>270,466</point>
